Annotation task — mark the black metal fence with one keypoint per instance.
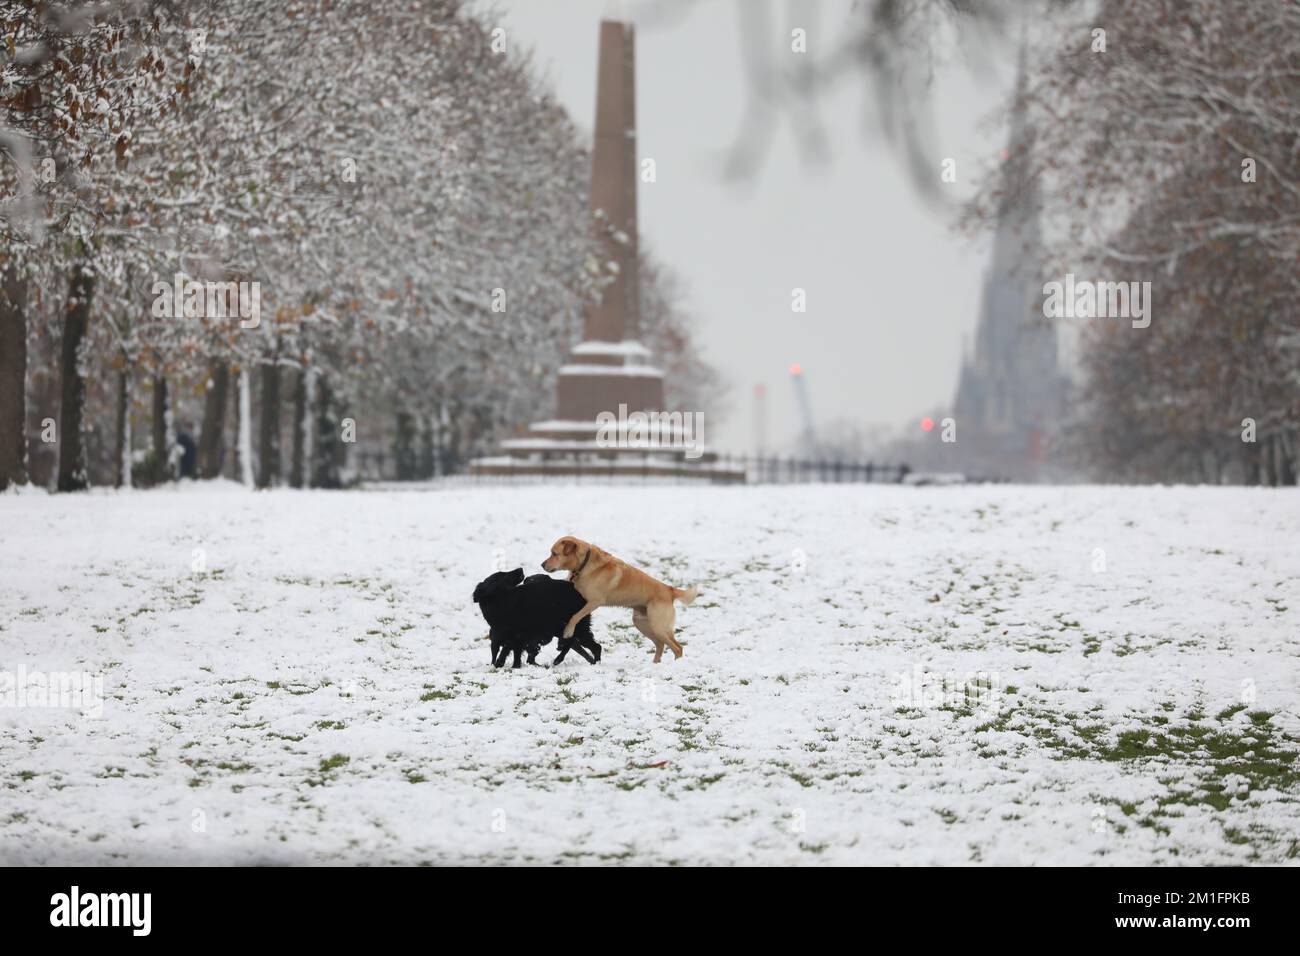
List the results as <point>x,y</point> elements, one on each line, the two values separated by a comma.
<point>716,468</point>
<point>775,470</point>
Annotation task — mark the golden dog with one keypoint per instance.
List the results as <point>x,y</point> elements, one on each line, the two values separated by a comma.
<point>605,581</point>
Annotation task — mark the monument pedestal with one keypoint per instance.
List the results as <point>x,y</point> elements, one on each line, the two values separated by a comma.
<point>600,376</point>
<point>606,379</point>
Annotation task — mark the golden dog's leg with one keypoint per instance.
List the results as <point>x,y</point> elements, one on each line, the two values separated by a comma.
<point>573,621</point>
<point>663,621</point>
<point>642,622</point>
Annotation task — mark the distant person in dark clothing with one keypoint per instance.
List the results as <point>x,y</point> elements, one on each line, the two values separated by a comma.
<point>189,454</point>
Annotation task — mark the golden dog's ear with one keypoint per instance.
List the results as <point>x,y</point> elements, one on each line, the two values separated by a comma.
<point>570,547</point>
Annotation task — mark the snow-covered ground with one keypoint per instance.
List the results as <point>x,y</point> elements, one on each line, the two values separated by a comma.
<point>873,674</point>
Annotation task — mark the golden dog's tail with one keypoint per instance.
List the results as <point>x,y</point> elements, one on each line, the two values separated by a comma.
<point>685,596</point>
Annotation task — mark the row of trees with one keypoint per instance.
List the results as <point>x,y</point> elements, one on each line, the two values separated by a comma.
<point>1168,141</point>
<point>403,199</point>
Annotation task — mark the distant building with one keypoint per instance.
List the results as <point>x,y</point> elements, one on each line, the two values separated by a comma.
<point>1010,394</point>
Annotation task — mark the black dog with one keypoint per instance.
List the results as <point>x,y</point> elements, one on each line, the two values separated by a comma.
<point>524,615</point>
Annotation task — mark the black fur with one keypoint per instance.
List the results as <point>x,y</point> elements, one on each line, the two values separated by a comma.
<point>524,615</point>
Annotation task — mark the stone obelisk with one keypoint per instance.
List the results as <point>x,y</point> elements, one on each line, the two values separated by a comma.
<point>612,201</point>
<point>610,367</point>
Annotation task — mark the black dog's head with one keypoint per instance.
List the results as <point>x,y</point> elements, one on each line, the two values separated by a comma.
<point>494,585</point>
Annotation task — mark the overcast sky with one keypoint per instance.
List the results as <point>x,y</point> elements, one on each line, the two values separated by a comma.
<point>891,288</point>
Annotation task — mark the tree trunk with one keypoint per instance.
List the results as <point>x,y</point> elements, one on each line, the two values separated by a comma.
<point>245,430</point>
<point>13,379</point>
<point>404,447</point>
<point>268,459</point>
<point>1250,461</point>
<point>426,447</point>
<point>453,433</point>
<point>325,473</point>
<point>1285,460</point>
<point>161,452</point>
<point>122,451</point>
<point>301,429</point>
<point>72,447</point>
<point>212,438</point>
<point>439,440</point>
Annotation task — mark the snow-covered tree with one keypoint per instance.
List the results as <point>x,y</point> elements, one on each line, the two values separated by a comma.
<point>404,204</point>
<point>1169,152</point>
<point>76,81</point>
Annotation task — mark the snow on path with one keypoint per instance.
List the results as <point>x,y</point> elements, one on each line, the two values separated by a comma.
<point>873,674</point>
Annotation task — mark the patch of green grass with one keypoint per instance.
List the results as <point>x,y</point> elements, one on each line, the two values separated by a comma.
<point>801,778</point>
<point>703,783</point>
<point>1226,767</point>
<point>627,854</point>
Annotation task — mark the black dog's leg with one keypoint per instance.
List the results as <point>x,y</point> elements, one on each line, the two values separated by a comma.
<point>585,640</point>
<point>532,653</point>
<point>585,653</point>
<point>499,652</point>
<point>564,650</point>
<point>519,653</point>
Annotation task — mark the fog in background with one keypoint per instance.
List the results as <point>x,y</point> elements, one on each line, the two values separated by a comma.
<point>892,290</point>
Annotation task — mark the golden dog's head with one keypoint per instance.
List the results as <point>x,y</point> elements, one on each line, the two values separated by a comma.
<point>565,555</point>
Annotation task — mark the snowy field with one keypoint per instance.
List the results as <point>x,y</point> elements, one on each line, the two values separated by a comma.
<point>873,674</point>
